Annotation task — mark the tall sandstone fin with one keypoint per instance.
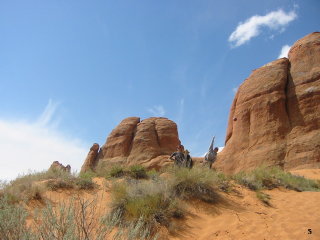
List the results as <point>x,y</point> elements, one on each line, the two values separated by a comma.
<point>275,116</point>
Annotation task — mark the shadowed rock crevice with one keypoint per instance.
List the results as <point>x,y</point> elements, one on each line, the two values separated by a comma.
<point>232,118</point>
<point>131,139</point>
<point>289,80</point>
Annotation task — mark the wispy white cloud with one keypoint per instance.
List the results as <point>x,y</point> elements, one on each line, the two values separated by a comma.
<point>157,110</point>
<point>284,51</point>
<point>47,115</point>
<point>35,145</point>
<point>276,20</point>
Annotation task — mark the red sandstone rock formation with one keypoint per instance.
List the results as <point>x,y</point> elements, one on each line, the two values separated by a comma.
<point>148,142</point>
<point>275,116</point>
<point>91,160</point>
<point>56,166</point>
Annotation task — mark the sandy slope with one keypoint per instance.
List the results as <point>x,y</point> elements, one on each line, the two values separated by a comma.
<point>307,173</point>
<point>238,215</point>
<point>290,216</point>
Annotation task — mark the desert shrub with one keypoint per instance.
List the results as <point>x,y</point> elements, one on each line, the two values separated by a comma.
<point>88,175</point>
<point>197,183</point>
<point>76,220</point>
<point>247,180</point>
<point>23,188</point>
<point>153,174</point>
<point>297,183</point>
<point>12,221</point>
<point>144,204</point>
<point>56,222</point>
<point>137,172</point>
<point>55,184</point>
<point>272,177</point>
<point>116,171</point>
<point>84,183</point>
<point>29,186</point>
<point>139,230</point>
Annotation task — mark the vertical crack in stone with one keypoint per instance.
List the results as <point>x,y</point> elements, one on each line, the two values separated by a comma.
<point>156,134</point>
<point>231,118</point>
<point>134,131</point>
<point>286,91</point>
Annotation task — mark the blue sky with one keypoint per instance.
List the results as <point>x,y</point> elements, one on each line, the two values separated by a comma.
<point>70,71</point>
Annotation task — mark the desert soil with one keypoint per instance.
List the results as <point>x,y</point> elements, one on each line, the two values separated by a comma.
<point>238,215</point>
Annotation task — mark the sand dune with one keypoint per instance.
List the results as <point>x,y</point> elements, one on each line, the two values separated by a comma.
<point>244,217</point>
<point>238,215</point>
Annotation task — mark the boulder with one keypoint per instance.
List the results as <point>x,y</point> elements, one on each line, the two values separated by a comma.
<point>275,115</point>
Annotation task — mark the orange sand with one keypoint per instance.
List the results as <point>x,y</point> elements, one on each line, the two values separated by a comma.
<point>238,215</point>
<point>307,173</point>
<point>244,217</point>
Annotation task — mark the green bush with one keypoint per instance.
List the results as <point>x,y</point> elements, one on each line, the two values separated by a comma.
<point>88,175</point>
<point>23,188</point>
<point>116,171</point>
<point>29,186</point>
<point>84,183</point>
<point>147,203</point>
<point>56,184</point>
<point>137,172</point>
<point>197,183</point>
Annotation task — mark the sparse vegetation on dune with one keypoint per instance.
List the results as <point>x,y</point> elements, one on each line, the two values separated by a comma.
<point>148,204</point>
<point>154,203</point>
<point>272,177</point>
<point>142,202</point>
<point>117,171</point>
<point>12,221</point>
<point>75,220</point>
<point>263,197</point>
<point>31,186</point>
<point>198,183</point>
<point>267,178</point>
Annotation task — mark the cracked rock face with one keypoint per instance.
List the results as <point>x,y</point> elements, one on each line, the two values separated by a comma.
<point>149,143</point>
<point>275,116</point>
